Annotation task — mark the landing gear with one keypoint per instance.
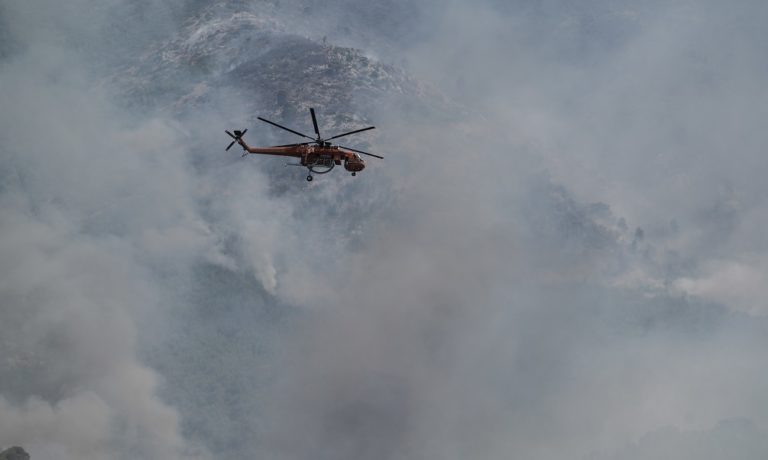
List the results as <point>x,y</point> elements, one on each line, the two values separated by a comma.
<point>320,166</point>
<point>354,174</point>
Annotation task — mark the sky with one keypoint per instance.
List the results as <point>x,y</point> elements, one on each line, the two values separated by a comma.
<point>564,261</point>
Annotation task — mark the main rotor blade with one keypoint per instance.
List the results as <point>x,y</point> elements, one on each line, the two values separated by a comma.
<point>360,151</point>
<point>230,134</point>
<point>229,146</point>
<point>283,127</point>
<point>351,132</point>
<point>314,121</point>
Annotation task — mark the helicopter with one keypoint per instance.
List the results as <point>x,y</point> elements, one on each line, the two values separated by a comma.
<point>319,156</point>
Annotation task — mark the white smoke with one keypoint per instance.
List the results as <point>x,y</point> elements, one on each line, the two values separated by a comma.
<point>159,299</point>
<point>91,201</point>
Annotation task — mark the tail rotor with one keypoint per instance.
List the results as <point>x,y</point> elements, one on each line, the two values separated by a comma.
<point>236,136</point>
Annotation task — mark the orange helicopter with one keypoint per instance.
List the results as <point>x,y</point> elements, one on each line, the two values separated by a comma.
<point>318,156</point>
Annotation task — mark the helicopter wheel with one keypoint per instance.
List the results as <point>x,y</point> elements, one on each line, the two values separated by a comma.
<point>309,178</point>
<point>354,174</point>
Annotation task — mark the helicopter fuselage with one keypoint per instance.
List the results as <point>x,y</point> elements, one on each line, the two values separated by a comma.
<point>313,155</point>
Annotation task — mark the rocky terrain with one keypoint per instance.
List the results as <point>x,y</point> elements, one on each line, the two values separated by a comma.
<point>229,50</point>
<point>14,453</point>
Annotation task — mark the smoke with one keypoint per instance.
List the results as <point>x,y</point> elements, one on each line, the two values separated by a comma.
<point>91,202</point>
<point>563,259</point>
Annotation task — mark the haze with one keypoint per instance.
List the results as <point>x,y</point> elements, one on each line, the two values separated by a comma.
<point>562,255</point>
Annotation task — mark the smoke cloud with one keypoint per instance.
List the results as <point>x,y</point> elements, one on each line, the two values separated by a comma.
<point>560,257</point>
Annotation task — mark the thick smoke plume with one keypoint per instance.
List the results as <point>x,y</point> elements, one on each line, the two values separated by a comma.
<point>560,257</point>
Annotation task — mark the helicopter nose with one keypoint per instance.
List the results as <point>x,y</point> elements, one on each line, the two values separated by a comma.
<point>354,165</point>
